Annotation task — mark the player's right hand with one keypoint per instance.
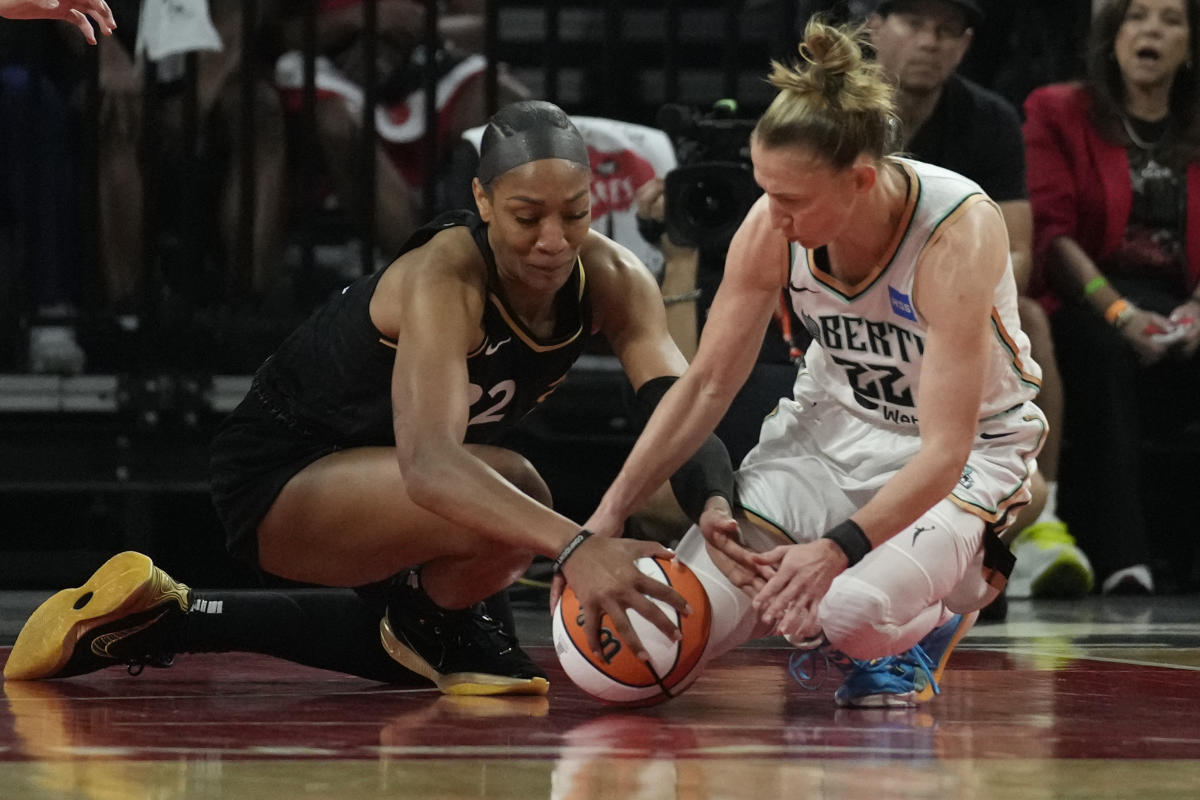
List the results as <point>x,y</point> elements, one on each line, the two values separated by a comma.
<point>606,581</point>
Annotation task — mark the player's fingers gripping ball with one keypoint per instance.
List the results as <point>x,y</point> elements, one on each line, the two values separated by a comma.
<point>617,676</point>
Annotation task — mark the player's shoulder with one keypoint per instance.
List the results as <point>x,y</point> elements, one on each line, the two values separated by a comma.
<point>448,249</point>
<point>448,257</point>
<point>938,185</point>
<point>607,259</point>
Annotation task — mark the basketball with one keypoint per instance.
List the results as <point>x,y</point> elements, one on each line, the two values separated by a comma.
<point>619,677</point>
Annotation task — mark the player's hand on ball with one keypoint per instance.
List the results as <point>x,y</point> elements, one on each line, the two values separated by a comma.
<point>603,576</point>
<point>617,675</point>
<point>557,583</point>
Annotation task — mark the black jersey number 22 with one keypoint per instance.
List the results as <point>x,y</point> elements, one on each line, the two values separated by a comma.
<point>876,382</point>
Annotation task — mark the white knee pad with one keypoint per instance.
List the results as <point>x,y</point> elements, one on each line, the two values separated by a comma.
<point>733,619</point>
<point>857,618</point>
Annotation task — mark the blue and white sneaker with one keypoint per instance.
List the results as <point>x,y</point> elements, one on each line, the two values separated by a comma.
<point>909,678</point>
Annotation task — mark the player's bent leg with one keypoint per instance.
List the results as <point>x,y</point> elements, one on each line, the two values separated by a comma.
<point>907,678</point>
<point>882,605</point>
<point>128,612</point>
<point>888,611</point>
<point>346,519</point>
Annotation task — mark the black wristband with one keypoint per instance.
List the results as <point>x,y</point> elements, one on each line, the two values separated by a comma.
<point>851,539</point>
<point>707,474</point>
<point>709,471</point>
<point>571,547</point>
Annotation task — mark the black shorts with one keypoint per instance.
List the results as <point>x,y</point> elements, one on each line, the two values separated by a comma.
<point>256,451</point>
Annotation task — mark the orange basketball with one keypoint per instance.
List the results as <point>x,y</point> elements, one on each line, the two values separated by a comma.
<point>618,676</point>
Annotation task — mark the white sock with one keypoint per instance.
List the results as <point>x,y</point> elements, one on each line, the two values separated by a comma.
<point>1050,510</point>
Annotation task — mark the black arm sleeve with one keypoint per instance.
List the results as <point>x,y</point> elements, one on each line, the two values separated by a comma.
<point>707,473</point>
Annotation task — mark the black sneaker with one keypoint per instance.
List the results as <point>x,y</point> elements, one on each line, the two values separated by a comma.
<point>464,652</point>
<point>128,612</point>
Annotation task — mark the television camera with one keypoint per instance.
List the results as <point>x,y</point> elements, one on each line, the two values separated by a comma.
<point>708,194</point>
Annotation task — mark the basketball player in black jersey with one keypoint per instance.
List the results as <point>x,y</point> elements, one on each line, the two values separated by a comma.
<point>363,454</point>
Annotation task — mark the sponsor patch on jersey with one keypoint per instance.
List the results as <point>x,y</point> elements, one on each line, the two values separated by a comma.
<point>901,304</point>
<point>968,477</point>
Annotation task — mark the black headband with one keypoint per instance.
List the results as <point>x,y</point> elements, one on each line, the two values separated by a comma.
<point>545,141</point>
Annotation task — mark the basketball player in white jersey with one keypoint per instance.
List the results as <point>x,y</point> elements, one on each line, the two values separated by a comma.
<point>868,513</point>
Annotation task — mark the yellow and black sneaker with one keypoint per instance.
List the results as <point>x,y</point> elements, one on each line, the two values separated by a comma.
<point>464,652</point>
<point>129,612</point>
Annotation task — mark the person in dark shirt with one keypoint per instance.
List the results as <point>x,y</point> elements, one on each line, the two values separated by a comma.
<point>953,122</point>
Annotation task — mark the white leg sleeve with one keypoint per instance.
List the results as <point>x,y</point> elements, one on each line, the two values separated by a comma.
<point>912,583</point>
<point>733,620</point>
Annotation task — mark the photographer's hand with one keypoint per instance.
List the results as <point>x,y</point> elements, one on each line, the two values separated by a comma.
<point>651,200</point>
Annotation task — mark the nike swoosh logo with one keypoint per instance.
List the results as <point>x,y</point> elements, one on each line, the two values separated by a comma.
<point>102,644</point>
<point>491,348</point>
<point>995,435</point>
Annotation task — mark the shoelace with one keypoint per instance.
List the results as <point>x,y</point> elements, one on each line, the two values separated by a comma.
<point>810,668</point>
<point>801,665</point>
<point>913,658</point>
<point>160,646</point>
<point>493,630</point>
<point>162,655</point>
<point>135,666</point>
<point>486,632</point>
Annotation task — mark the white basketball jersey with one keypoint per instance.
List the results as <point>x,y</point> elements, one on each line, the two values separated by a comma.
<point>869,339</point>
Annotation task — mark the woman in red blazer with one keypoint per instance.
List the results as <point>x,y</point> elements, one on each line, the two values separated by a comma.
<point>1114,180</point>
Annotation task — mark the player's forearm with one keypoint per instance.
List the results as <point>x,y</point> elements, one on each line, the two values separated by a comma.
<point>456,486</point>
<point>679,425</point>
<point>919,485</point>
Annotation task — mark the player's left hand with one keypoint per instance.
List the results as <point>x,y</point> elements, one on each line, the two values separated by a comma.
<point>803,573</point>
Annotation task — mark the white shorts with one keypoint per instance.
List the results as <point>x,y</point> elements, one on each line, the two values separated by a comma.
<point>817,463</point>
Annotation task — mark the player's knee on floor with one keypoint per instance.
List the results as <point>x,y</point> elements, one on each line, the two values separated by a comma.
<point>857,619</point>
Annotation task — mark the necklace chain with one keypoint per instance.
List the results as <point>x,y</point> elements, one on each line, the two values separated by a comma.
<point>1137,140</point>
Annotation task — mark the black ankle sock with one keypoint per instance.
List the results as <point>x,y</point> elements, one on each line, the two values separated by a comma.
<point>332,629</point>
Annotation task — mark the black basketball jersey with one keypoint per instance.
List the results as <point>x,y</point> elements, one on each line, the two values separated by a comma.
<point>333,374</point>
